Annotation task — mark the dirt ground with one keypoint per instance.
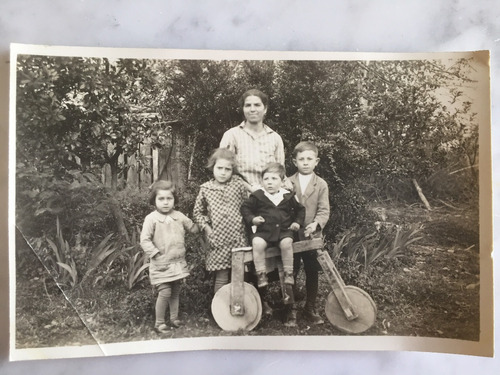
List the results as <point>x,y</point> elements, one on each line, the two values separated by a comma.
<point>430,291</point>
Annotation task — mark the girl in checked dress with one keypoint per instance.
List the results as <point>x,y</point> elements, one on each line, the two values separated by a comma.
<point>217,212</point>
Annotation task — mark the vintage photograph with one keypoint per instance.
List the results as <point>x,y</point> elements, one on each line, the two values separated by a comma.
<point>168,195</point>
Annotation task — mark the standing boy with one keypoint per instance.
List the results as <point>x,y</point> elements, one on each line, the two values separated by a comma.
<point>312,192</point>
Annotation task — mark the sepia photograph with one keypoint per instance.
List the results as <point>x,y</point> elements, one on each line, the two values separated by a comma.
<point>166,200</point>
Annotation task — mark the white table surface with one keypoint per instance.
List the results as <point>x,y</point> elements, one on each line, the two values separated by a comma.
<point>369,26</point>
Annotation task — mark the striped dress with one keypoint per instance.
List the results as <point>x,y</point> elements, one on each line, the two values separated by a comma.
<point>253,153</point>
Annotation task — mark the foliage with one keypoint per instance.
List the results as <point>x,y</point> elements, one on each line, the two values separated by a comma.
<point>377,125</point>
<point>133,203</point>
<point>78,199</point>
<point>136,267</point>
<point>366,245</point>
<point>102,252</point>
<point>61,262</point>
<point>83,113</point>
<point>382,122</point>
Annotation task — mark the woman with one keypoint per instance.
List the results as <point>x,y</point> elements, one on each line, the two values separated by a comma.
<point>254,143</point>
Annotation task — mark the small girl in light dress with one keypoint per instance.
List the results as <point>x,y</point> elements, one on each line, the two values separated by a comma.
<point>217,212</point>
<point>162,238</point>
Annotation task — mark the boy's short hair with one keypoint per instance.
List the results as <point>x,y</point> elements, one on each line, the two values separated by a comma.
<point>274,168</point>
<point>305,146</point>
<point>222,153</point>
<point>161,185</point>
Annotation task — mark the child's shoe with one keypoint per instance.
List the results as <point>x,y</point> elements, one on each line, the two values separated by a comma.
<point>261,279</point>
<point>288,278</point>
<point>176,323</point>
<point>266,309</point>
<point>291,318</point>
<point>298,294</point>
<point>311,315</point>
<point>161,328</point>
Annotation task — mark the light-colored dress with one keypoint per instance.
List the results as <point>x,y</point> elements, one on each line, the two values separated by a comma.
<point>219,206</point>
<point>253,152</point>
<point>164,234</point>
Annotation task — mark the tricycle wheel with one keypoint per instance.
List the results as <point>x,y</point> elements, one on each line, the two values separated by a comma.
<point>363,305</point>
<point>221,309</point>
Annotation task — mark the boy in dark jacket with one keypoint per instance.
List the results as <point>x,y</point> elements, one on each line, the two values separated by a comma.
<point>277,214</point>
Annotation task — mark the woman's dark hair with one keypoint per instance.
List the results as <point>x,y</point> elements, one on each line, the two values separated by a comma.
<point>254,92</point>
<point>223,153</point>
<point>161,185</point>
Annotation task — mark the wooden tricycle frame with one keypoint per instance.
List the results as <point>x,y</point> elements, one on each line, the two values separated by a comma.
<point>237,305</point>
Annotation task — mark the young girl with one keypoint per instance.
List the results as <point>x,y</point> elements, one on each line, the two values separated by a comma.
<point>217,212</point>
<point>162,238</point>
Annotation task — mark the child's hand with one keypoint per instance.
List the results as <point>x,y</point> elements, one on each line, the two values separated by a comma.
<point>287,184</point>
<point>294,226</point>
<point>208,230</point>
<point>254,187</point>
<point>257,220</point>
<point>310,229</point>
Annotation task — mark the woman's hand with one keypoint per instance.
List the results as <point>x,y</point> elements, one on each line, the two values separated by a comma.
<point>294,226</point>
<point>257,220</point>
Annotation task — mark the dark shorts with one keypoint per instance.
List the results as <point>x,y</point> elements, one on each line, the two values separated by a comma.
<point>283,234</point>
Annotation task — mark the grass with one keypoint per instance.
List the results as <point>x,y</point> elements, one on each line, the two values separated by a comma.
<point>430,290</point>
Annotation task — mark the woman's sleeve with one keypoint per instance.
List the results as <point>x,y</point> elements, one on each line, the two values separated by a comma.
<point>280,150</point>
<point>227,141</point>
<point>200,210</point>
<point>147,233</point>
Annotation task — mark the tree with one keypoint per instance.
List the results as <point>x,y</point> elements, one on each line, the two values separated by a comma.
<point>83,113</point>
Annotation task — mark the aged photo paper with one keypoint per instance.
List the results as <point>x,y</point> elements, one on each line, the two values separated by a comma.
<point>401,142</point>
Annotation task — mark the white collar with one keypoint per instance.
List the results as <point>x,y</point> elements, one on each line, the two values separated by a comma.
<point>277,197</point>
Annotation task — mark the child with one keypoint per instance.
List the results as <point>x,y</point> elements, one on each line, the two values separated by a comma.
<point>312,193</point>
<point>276,214</point>
<point>217,212</point>
<point>162,238</point>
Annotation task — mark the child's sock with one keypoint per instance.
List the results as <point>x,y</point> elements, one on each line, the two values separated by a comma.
<point>162,301</point>
<point>287,255</point>
<point>221,279</point>
<point>174,300</point>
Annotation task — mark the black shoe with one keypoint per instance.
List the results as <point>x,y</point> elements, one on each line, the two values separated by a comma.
<point>176,323</point>
<point>298,294</point>
<point>261,279</point>
<point>291,318</point>
<point>312,316</point>
<point>266,309</point>
<point>161,328</point>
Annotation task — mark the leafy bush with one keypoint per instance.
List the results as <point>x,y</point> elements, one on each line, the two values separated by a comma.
<point>366,244</point>
<point>78,199</point>
<point>134,205</point>
<point>60,262</point>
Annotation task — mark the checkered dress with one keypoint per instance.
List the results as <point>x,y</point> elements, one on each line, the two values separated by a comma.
<point>219,207</point>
